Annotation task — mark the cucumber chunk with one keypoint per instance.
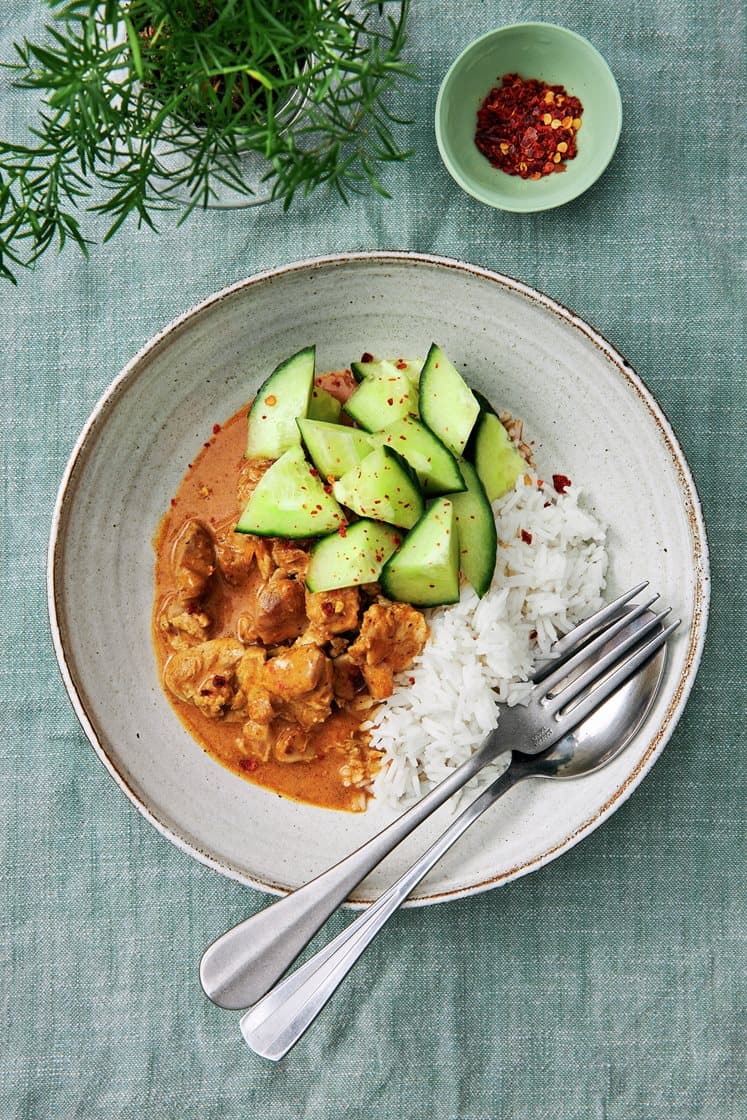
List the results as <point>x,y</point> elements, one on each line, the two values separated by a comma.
<point>447,404</point>
<point>334,449</point>
<point>323,406</point>
<point>497,461</point>
<point>425,571</point>
<point>283,397</point>
<point>433,463</point>
<point>357,557</point>
<point>290,501</point>
<point>385,367</point>
<point>383,488</point>
<point>379,401</point>
<point>478,540</point>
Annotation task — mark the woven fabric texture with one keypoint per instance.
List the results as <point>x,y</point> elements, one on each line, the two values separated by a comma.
<point>607,986</point>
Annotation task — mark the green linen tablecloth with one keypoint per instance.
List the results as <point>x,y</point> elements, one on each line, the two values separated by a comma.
<point>611,983</point>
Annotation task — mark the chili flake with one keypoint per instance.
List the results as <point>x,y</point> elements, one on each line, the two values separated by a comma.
<point>561,483</point>
<point>521,130</point>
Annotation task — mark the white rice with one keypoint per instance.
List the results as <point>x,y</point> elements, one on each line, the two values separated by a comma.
<point>481,651</point>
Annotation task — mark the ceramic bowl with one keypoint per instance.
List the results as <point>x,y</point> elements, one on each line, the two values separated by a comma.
<point>593,420</point>
<point>534,50</point>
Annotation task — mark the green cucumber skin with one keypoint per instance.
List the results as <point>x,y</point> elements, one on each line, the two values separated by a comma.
<point>447,404</point>
<point>411,575</point>
<point>320,437</point>
<point>496,459</point>
<point>290,501</point>
<point>478,539</point>
<point>426,454</point>
<point>271,434</point>
<point>370,404</point>
<point>352,560</point>
<point>363,487</point>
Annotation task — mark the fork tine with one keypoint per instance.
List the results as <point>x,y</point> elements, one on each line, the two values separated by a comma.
<point>567,720</point>
<point>561,671</point>
<point>555,701</point>
<point>575,637</point>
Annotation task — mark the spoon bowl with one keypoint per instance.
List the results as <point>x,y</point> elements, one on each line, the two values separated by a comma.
<point>605,733</point>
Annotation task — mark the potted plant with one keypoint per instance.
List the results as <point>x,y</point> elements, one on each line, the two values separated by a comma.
<point>161,104</point>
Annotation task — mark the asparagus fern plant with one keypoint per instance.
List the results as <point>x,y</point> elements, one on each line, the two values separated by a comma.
<point>151,105</point>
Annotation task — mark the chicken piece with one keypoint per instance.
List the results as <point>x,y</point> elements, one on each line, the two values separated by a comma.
<point>205,675</point>
<point>332,612</point>
<point>192,559</point>
<point>299,682</point>
<point>291,556</point>
<point>263,556</point>
<point>292,744</point>
<point>277,613</point>
<point>391,637</point>
<point>182,624</point>
<point>252,695</point>
<point>234,552</point>
<point>347,678</point>
<point>258,739</point>
<point>250,473</point>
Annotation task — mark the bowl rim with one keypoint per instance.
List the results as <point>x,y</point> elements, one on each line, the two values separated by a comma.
<point>516,206</point>
<point>694,515</point>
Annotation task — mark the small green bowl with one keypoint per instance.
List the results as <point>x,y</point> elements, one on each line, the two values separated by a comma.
<point>534,50</point>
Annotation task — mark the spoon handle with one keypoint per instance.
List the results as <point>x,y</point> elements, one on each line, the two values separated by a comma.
<point>278,1021</point>
<point>243,964</point>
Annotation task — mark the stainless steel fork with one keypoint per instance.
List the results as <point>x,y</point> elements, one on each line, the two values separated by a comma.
<point>243,964</point>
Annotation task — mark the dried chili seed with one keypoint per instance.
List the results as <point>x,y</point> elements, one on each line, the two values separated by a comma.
<point>518,134</point>
<point>561,483</point>
<point>526,536</point>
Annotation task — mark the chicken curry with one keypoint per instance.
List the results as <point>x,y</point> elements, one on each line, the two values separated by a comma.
<point>275,682</point>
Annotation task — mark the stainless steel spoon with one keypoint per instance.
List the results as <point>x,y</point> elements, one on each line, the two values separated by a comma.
<point>278,1021</point>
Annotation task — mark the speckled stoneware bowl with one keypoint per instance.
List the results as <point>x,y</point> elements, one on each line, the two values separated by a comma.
<point>593,420</point>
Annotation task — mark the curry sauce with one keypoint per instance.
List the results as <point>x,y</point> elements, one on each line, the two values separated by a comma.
<point>273,682</point>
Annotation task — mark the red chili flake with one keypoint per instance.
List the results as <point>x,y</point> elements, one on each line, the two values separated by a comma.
<point>528,128</point>
<point>546,505</point>
<point>411,680</point>
<point>216,429</point>
<point>561,483</point>
<point>173,501</point>
<point>396,541</point>
<point>250,764</point>
<point>342,531</point>
<point>366,357</point>
<point>526,537</point>
<point>327,488</point>
<point>532,635</point>
<point>314,471</point>
<point>206,444</point>
<point>328,608</point>
<point>190,608</point>
<point>219,681</point>
<point>390,400</point>
<point>401,364</point>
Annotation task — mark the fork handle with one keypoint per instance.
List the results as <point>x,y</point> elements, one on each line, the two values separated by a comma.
<point>279,1020</point>
<point>244,963</point>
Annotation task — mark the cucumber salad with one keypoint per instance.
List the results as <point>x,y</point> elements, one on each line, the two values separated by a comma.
<point>394,485</point>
